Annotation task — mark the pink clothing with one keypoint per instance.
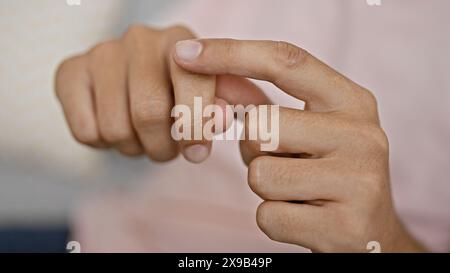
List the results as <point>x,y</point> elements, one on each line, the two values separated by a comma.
<point>399,50</point>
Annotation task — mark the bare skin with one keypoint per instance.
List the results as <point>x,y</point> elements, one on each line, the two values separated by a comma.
<point>120,94</point>
<point>326,188</point>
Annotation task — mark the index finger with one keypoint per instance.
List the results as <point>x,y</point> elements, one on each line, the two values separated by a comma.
<point>291,68</point>
<point>193,90</point>
<point>189,88</point>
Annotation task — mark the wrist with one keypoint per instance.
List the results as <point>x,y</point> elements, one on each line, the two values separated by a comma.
<point>402,241</point>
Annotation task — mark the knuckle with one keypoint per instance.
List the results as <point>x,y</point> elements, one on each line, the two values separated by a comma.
<point>179,30</point>
<point>105,51</point>
<point>138,38</point>
<point>65,69</point>
<point>138,30</point>
<point>149,114</point>
<point>369,103</point>
<point>381,140</point>
<point>367,137</point>
<point>173,34</point>
<point>115,135</point>
<point>287,55</point>
<point>375,139</point>
<point>67,65</point>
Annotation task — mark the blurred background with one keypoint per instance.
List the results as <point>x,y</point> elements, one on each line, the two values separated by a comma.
<point>43,171</point>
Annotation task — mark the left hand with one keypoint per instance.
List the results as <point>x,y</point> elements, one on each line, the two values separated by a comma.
<point>327,186</point>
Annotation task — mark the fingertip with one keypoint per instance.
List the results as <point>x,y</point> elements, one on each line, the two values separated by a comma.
<point>196,153</point>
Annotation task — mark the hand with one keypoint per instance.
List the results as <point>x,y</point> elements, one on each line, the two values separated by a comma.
<point>120,94</point>
<point>327,186</point>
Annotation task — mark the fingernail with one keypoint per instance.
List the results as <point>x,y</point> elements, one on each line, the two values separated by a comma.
<point>196,153</point>
<point>188,50</point>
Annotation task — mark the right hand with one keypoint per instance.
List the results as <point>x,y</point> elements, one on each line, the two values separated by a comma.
<point>120,94</point>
